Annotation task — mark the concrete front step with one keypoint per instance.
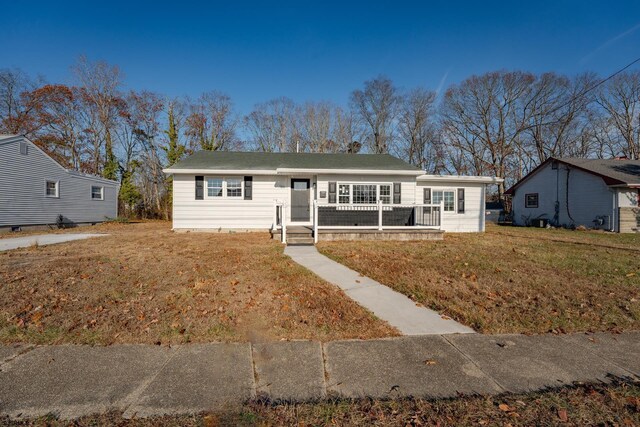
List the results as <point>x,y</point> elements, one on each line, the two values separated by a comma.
<point>293,240</point>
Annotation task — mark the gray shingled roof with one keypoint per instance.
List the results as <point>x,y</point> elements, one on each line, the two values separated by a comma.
<point>230,160</point>
<point>623,170</point>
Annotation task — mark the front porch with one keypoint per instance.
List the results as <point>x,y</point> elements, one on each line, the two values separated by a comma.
<point>331,222</point>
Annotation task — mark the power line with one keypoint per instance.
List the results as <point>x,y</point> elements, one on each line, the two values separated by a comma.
<point>584,92</point>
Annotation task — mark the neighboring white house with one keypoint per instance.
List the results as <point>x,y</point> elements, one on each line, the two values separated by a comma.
<point>36,190</point>
<point>594,193</point>
<point>253,190</point>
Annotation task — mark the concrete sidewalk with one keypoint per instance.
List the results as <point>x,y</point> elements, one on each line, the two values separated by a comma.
<point>393,307</point>
<point>42,240</point>
<point>145,380</point>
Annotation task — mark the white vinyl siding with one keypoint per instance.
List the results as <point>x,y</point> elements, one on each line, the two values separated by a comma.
<point>215,213</point>
<point>472,220</point>
<point>23,199</point>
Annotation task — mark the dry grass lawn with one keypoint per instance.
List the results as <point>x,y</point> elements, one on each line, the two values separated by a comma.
<point>512,280</point>
<point>147,284</point>
<point>611,405</point>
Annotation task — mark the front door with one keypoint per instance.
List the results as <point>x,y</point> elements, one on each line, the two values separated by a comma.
<point>300,205</point>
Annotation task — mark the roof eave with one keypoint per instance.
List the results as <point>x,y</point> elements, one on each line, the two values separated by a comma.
<point>462,178</point>
<point>285,171</point>
<point>409,172</point>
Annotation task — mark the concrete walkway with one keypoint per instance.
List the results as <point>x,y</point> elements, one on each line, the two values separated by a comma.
<point>41,240</point>
<point>146,380</point>
<point>395,308</point>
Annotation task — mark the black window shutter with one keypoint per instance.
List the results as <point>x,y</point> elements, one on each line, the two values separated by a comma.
<point>460,200</point>
<point>199,187</point>
<point>332,192</point>
<point>427,196</point>
<point>248,187</point>
<point>396,193</point>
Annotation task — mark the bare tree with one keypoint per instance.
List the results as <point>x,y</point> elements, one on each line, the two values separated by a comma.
<point>211,123</point>
<point>417,130</point>
<point>620,103</point>
<point>377,106</point>
<point>16,104</point>
<point>347,132</point>
<point>272,126</point>
<point>558,113</point>
<point>484,118</point>
<point>101,84</point>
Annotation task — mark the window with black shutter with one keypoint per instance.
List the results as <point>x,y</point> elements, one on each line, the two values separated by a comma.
<point>199,187</point>
<point>460,200</point>
<point>248,187</point>
<point>332,192</point>
<point>396,193</point>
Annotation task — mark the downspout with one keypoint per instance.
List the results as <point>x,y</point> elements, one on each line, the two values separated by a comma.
<point>614,221</point>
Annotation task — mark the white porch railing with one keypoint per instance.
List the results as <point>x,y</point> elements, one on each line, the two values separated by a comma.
<point>376,216</point>
<point>280,220</point>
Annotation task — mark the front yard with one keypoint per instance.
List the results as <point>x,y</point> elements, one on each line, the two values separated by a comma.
<point>146,284</point>
<point>512,280</point>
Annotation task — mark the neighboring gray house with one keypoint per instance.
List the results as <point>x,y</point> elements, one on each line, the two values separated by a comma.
<point>36,190</point>
<point>594,193</point>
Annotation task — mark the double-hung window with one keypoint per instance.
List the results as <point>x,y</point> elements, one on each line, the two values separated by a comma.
<point>214,187</point>
<point>448,196</point>
<point>234,187</point>
<point>344,193</point>
<point>97,192</point>
<point>224,187</point>
<point>385,194</point>
<point>51,188</point>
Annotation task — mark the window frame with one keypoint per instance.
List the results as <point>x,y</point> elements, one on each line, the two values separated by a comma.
<point>239,187</point>
<point>91,187</point>
<point>434,191</point>
<point>57,188</point>
<point>348,198</point>
<point>224,187</point>
<point>526,200</point>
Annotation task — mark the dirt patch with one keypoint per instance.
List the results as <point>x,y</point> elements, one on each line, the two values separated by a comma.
<point>147,284</point>
<point>513,280</point>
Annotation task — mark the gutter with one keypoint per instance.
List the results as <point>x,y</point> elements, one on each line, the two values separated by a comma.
<point>289,171</point>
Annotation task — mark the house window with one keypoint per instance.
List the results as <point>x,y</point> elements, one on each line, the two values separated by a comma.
<point>97,192</point>
<point>448,196</point>
<point>214,187</point>
<point>234,187</point>
<point>51,188</point>
<point>385,194</point>
<point>531,200</point>
<point>344,191</point>
<point>364,194</point>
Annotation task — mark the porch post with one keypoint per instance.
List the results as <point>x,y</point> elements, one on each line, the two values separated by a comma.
<point>441,212</point>
<point>284,222</point>
<point>315,221</point>
<point>380,215</point>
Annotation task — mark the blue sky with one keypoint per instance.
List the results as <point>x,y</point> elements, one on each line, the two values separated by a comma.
<point>315,50</point>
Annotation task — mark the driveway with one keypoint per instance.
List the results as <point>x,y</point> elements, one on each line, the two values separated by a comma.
<point>42,240</point>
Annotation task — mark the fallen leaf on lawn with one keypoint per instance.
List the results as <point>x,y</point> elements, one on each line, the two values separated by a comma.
<point>430,362</point>
<point>562,414</point>
<point>504,407</point>
<point>631,274</point>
